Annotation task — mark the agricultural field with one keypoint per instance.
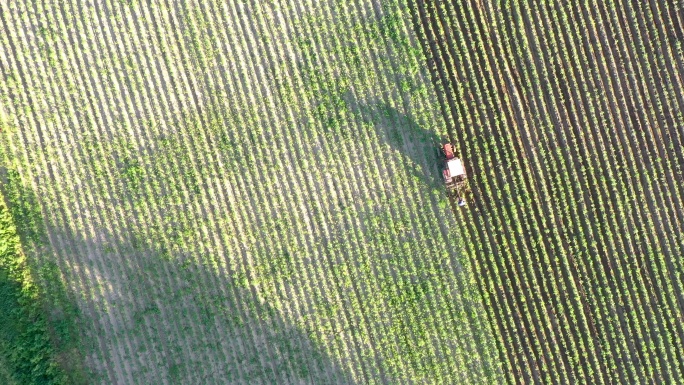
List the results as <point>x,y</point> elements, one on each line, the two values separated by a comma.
<point>571,118</point>
<point>250,191</point>
<point>238,192</point>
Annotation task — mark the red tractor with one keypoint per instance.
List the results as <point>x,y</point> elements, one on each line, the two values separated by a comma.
<point>454,172</point>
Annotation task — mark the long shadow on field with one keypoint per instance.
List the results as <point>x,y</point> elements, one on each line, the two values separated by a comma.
<point>162,316</point>
<point>151,315</point>
<point>400,132</point>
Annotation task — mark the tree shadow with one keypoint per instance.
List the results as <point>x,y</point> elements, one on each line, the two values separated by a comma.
<point>52,314</point>
<point>401,133</point>
<point>210,324</point>
<point>152,315</point>
<point>23,206</point>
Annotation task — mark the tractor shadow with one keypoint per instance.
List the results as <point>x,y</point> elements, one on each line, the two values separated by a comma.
<point>400,132</point>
